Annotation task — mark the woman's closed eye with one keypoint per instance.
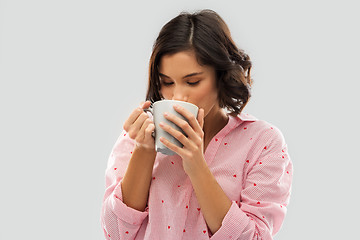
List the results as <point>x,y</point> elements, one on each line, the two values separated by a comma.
<point>190,83</point>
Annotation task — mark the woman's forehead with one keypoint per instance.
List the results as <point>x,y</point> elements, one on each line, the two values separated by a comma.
<point>182,62</point>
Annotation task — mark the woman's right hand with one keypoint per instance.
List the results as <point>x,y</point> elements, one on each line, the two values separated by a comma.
<point>140,127</point>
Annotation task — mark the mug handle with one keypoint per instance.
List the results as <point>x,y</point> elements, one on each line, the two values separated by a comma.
<point>148,110</point>
<point>151,111</point>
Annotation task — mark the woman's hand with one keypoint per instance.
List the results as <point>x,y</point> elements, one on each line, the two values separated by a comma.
<point>140,127</point>
<point>192,153</point>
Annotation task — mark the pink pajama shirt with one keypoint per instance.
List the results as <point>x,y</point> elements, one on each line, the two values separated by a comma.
<point>248,158</point>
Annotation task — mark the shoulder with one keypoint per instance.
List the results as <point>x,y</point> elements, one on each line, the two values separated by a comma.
<point>264,141</point>
<point>259,129</point>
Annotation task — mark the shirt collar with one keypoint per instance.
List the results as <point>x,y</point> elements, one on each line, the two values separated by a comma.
<point>246,117</point>
<point>243,117</point>
<point>235,121</point>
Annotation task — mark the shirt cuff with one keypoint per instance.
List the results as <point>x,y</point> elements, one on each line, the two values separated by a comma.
<point>125,213</point>
<point>233,224</point>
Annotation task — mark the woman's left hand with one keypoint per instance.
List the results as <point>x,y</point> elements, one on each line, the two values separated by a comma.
<point>192,153</point>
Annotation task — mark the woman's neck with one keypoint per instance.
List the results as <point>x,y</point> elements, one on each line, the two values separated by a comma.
<point>214,122</point>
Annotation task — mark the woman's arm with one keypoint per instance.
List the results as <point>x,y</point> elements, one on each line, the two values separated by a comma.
<point>213,201</point>
<point>136,182</point>
<point>118,220</point>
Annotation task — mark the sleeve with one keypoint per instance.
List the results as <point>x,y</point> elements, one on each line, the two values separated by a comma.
<point>265,194</point>
<point>119,221</point>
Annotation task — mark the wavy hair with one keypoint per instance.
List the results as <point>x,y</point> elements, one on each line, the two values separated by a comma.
<point>208,36</point>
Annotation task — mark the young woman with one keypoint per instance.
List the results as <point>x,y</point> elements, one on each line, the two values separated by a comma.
<point>230,180</point>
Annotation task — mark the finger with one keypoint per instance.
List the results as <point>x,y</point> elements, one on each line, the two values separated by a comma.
<point>136,126</point>
<point>135,114</point>
<point>176,134</point>
<point>149,130</point>
<point>172,146</point>
<point>132,118</point>
<point>142,132</point>
<point>192,121</point>
<point>146,104</point>
<point>139,122</point>
<point>200,117</point>
<point>184,125</point>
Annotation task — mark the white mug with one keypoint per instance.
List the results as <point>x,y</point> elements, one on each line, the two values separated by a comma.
<point>157,111</point>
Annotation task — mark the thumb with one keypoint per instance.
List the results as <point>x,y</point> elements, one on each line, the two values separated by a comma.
<point>201,117</point>
<point>145,104</point>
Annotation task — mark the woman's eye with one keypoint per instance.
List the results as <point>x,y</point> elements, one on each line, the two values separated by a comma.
<point>170,83</point>
<point>167,83</point>
<point>193,83</point>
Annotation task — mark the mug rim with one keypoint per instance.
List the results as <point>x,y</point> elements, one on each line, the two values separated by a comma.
<point>168,100</point>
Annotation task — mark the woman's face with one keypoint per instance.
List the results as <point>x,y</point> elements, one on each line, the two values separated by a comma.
<point>183,79</point>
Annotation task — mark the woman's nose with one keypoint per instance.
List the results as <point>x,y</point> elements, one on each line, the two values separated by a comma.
<point>180,95</point>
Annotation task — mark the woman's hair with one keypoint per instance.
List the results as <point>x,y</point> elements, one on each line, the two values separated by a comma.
<point>207,35</point>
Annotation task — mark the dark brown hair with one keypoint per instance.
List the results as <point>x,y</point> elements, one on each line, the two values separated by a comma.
<point>205,33</point>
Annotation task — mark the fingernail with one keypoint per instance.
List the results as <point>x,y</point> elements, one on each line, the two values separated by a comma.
<point>166,114</point>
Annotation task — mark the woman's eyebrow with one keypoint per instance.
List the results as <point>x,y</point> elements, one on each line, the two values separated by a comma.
<point>189,75</point>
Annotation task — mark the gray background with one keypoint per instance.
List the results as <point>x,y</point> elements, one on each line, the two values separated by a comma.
<point>72,71</point>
